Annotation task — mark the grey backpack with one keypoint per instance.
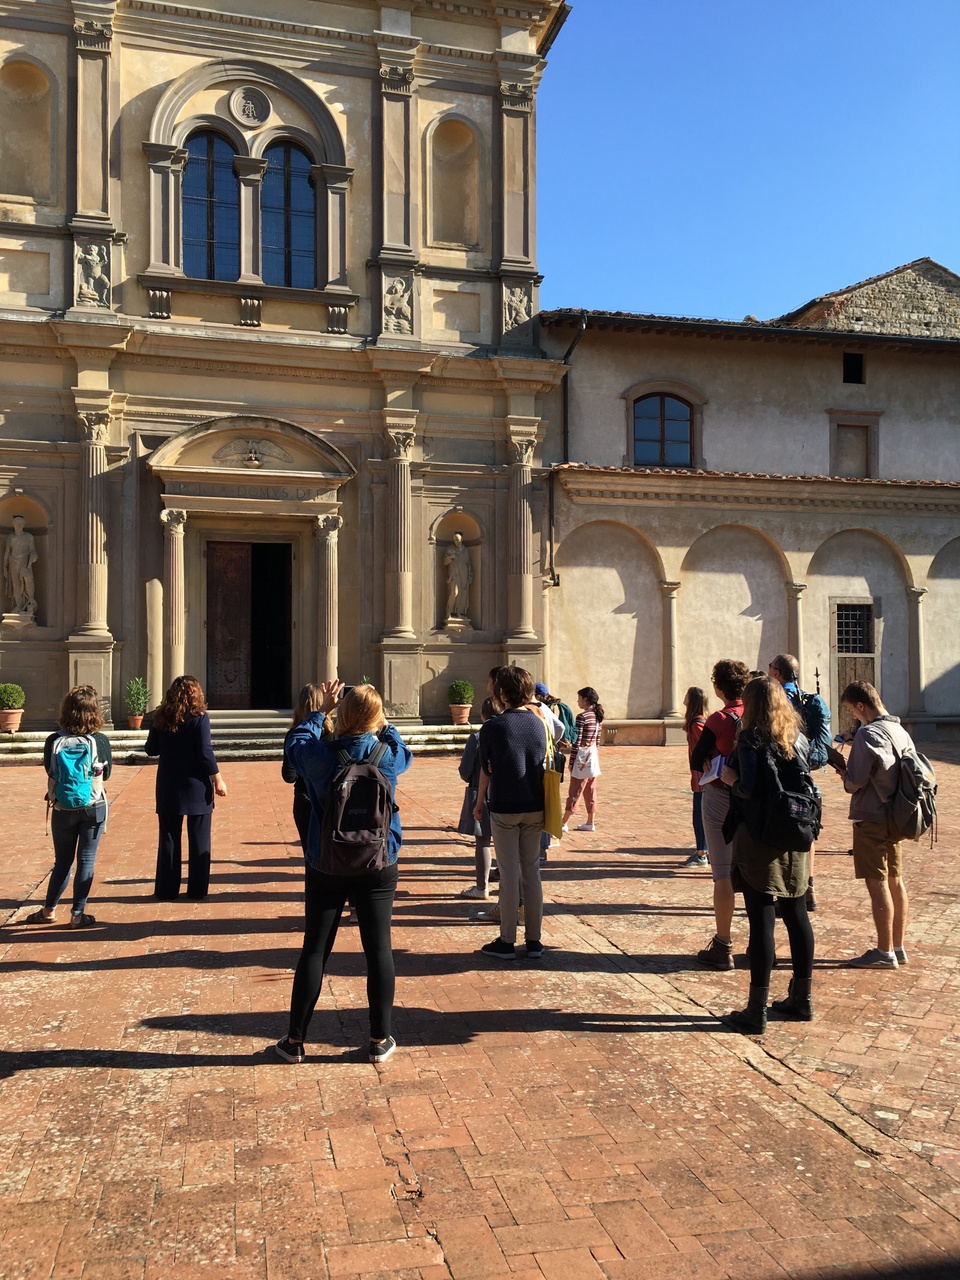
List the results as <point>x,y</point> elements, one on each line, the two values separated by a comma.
<point>913,807</point>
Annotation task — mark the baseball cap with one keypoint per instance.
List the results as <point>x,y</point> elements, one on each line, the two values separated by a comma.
<point>541,691</point>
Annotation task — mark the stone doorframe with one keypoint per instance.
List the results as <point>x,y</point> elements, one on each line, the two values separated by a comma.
<point>256,479</point>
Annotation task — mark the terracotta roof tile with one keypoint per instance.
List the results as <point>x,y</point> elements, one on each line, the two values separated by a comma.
<point>755,475</point>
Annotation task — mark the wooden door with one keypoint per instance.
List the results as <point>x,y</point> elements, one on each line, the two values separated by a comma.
<point>850,667</point>
<point>228,625</point>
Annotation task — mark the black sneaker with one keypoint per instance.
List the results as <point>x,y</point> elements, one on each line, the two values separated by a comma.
<point>534,949</point>
<point>381,1050</point>
<point>500,950</point>
<point>288,1051</point>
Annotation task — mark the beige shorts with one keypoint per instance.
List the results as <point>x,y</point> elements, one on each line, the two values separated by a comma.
<point>877,853</point>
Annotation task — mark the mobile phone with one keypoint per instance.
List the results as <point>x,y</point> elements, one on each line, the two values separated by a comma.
<point>347,688</point>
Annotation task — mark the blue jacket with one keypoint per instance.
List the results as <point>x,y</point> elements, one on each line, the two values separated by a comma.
<point>316,762</point>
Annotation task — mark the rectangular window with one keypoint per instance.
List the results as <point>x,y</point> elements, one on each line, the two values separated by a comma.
<point>854,628</point>
<point>853,367</point>
<point>852,456</point>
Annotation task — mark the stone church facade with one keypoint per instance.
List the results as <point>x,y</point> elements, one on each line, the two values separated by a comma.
<point>267,279</point>
<point>270,341</point>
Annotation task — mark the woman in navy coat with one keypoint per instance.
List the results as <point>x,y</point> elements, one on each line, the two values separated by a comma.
<point>188,776</point>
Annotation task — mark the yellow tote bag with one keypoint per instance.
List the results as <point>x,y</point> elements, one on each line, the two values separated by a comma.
<point>552,808</point>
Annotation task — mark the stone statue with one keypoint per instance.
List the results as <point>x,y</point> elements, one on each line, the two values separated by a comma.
<point>397,310</point>
<point>18,560</point>
<point>516,309</point>
<point>93,283</point>
<point>459,576</point>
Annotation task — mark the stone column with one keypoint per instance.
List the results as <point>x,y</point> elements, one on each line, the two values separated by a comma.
<point>671,675</point>
<point>795,592</point>
<point>399,614</point>
<point>520,541</point>
<point>93,430</point>
<point>174,595</point>
<point>915,654</point>
<point>250,173</point>
<point>325,531</point>
<point>166,216</point>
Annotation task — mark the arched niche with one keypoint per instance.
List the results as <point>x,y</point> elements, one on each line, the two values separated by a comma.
<point>858,566</point>
<point>27,149</point>
<point>606,625</point>
<point>37,523</point>
<point>941,610</point>
<point>441,538</point>
<point>732,602</point>
<point>453,166</point>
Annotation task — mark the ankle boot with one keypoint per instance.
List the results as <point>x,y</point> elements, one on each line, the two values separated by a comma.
<point>751,1021</point>
<point>798,1006</point>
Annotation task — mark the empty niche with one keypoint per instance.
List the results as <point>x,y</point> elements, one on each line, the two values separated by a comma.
<point>25,140</point>
<point>455,176</point>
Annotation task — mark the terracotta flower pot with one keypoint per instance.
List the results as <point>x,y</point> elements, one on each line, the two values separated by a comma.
<point>134,722</point>
<point>10,720</point>
<point>460,711</point>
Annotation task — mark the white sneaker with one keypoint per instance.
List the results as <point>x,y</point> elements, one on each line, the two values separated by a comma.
<point>564,827</point>
<point>586,826</point>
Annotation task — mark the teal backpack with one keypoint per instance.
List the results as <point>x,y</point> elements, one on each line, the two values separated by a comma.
<point>75,772</point>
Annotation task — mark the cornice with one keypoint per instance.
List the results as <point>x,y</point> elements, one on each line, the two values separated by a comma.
<point>748,492</point>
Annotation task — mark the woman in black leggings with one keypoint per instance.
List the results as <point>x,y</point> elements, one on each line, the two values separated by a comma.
<point>770,747</point>
<point>361,728</point>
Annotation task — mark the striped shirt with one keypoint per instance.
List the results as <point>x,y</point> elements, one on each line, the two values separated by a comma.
<point>588,729</point>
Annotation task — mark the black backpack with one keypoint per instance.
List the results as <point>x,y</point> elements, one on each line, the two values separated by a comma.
<point>792,806</point>
<point>355,829</point>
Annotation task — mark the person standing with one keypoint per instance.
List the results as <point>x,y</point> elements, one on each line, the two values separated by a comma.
<point>469,825</point>
<point>78,762</point>
<point>361,732</point>
<point>770,755</point>
<point>714,746</point>
<point>585,760</point>
<point>513,748</point>
<point>188,778</point>
<point>871,777</point>
<point>815,715</point>
<point>695,707</point>
<point>309,701</point>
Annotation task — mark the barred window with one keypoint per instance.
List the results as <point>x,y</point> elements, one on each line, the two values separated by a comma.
<point>211,210</point>
<point>854,628</point>
<point>288,218</point>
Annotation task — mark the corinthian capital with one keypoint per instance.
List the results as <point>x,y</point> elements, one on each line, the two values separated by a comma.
<point>173,521</point>
<point>401,444</point>
<point>522,452</point>
<point>93,427</point>
<point>328,526</point>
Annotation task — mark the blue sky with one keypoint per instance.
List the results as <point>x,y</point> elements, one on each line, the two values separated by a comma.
<point>725,157</point>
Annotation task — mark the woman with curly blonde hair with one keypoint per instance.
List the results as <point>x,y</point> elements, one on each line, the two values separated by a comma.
<point>188,777</point>
<point>771,756</point>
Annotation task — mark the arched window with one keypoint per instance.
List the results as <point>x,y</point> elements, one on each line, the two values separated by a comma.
<point>288,218</point>
<point>455,178</point>
<point>211,210</point>
<point>662,431</point>
<point>25,104</point>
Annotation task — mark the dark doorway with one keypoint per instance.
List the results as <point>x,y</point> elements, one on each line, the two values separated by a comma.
<point>248,625</point>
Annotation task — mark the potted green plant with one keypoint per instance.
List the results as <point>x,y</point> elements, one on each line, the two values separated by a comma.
<point>137,699</point>
<point>460,697</point>
<point>12,699</point>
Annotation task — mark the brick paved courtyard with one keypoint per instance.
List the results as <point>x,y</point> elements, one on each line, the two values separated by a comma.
<point>586,1116</point>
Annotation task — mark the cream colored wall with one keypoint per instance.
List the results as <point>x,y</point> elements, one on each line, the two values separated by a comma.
<point>767,401</point>
<point>941,608</point>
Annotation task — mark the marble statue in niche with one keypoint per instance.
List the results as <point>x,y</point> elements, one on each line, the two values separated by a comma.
<point>19,557</point>
<point>459,566</point>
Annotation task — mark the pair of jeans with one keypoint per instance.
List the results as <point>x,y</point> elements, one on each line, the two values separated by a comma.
<point>698,831</point>
<point>170,856</point>
<point>76,834</point>
<point>325,897</point>
<point>762,910</point>
<point>516,838</point>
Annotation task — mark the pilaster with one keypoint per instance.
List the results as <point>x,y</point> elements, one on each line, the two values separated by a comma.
<point>915,653</point>
<point>795,592</point>
<point>250,171</point>
<point>671,667</point>
<point>174,594</point>
<point>326,530</point>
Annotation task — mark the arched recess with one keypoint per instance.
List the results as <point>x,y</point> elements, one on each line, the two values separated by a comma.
<point>28,144</point>
<point>859,567</point>
<point>36,520</point>
<point>941,611</point>
<point>252,445</point>
<point>453,175</point>
<point>317,133</point>
<point>732,602</point>
<point>606,620</point>
<point>441,536</point>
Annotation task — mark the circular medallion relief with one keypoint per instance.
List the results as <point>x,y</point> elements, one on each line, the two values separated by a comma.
<point>250,106</point>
